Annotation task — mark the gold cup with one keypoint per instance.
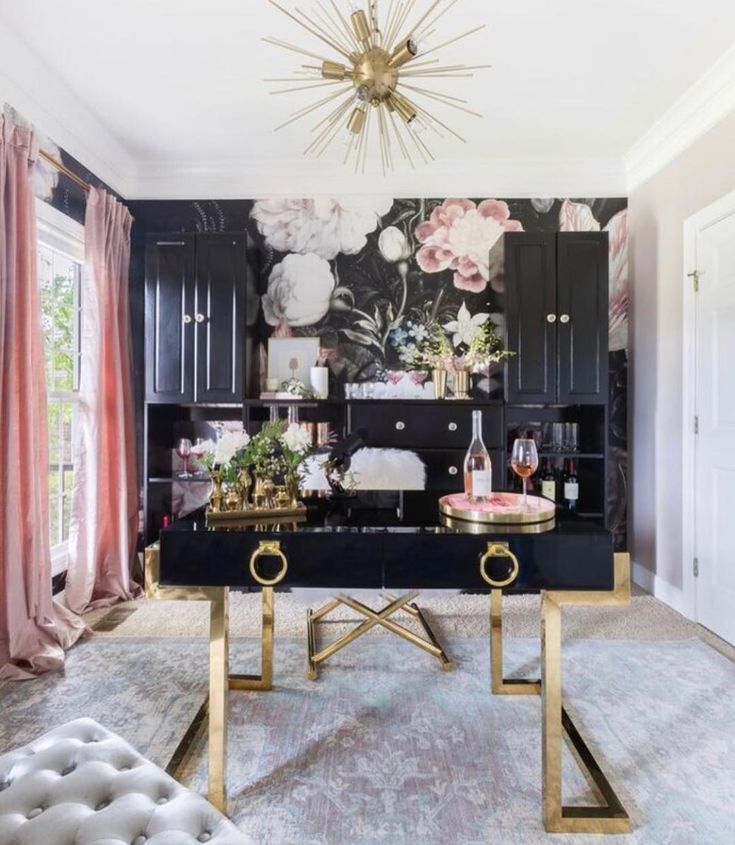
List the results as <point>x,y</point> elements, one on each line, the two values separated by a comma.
<point>462,384</point>
<point>439,377</point>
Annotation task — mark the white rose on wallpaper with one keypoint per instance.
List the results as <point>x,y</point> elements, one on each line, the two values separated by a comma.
<point>394,245</point>
<point>324,227</point>
<point>299,291</point>
<point>617,229</point>
<point>577,217</point>
<point>465,328</point>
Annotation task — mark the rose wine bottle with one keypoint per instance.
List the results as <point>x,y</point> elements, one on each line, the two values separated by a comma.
<point>477,467</point>
<point>548,481</point>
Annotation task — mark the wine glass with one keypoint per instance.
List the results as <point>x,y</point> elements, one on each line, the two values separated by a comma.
<point>524,462</point>
<point>183,450</point>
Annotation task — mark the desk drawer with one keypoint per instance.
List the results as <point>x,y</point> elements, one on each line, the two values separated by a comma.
<point>445,426</point>
<point>444,468</point>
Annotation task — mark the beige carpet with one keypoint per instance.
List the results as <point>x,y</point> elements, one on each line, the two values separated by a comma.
<point>452,615</point>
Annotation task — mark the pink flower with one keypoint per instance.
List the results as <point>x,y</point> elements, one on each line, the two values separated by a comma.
<point>619,285</point>
<point>577,217</point>
<point>460,236</point>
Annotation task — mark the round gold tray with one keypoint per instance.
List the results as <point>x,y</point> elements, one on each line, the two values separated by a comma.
<point>502,509</point>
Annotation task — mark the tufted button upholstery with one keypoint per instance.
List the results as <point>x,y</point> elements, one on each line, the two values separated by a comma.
<point>82,785</point>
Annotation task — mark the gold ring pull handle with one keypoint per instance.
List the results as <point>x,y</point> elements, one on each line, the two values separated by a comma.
<point>268,548</point>
<point>499,550</point>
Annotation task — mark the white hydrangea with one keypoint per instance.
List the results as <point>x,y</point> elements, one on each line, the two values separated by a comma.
<point>296,438</point>
<point>223,450</point>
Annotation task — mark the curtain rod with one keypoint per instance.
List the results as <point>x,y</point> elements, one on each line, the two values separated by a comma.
<point>62,168</point>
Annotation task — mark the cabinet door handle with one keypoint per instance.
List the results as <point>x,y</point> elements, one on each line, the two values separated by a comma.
<point>200,318</point>
<point>400,425</point>
<point>453,470</point>
<point>187,318</point>
<point>551,318</point>
<point>565,318</point>
<point>452,426</point>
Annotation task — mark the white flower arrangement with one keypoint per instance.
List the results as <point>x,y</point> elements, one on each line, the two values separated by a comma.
<point>296,438</point>
<point>220,452</point>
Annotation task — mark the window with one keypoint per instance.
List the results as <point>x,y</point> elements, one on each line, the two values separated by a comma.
<point>60,256</point>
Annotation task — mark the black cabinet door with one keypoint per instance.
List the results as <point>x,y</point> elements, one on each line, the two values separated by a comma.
<point>220,317</point>
<point>169,320</point>
<point>582,328</point>
<point>530,277</point>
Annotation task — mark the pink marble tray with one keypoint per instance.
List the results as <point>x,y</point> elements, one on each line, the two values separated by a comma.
<point>501,508</point>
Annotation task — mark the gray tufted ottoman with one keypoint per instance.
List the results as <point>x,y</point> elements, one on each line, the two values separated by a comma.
<point>82,785</point>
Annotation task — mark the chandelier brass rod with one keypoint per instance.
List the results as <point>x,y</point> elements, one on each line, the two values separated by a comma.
<point>399,23</point>
<point>328,36</point>
<point>309,109</point>
<point>390,22</point>
<point>401,142</point>
<point>429,116</point>
<point>422,64</point>
<point>331,122</point>
<point>385,141</point>
<point>434,93</point>
<point>333,115</point>
<point>314,32</point>
<point>286,46</point>
<point>433,96</point>
<point>420,21</point>
<point>455,39</point>
<point>386,22</point>
<point>432,22</point>
<point>330,25</point>
<point>444,68</point>
<point>326,82</point>
<point>419,145</point>
<point>345,24</point>
<point>322,143</point>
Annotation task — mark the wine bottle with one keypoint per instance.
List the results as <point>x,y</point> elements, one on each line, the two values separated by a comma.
<point>477,467</point>
<point>548,481</point>
<point>571,485</point>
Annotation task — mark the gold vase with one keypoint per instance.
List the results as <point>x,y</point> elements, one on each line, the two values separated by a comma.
<point>243,482</point>
<point>439,377</point>
<point>232,498</point>
<point>462,384</point>
<point>215,497</point>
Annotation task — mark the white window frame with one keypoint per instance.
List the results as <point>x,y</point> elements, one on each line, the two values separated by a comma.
<point>59,232</point>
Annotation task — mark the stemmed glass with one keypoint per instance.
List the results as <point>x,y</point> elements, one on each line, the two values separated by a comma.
<point>183,450</point>
<point>524,462</point>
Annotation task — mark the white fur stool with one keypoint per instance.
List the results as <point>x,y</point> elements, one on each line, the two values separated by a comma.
<point>79,784</point>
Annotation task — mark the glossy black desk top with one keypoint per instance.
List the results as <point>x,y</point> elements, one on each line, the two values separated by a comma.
<point>347,545</point>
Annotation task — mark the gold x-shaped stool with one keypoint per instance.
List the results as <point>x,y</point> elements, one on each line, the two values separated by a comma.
<point>382,617</point>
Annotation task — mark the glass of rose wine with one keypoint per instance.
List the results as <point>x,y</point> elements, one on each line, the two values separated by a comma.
<point>183,450</point>
<point>524,462</point>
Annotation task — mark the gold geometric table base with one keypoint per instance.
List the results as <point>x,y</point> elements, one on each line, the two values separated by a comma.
<point>383,618</point>
<point>610,816</point>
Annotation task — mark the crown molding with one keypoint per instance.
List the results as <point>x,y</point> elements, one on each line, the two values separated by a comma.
<point>520,178</point>
<point>29,86</point>
<point>710,99</point>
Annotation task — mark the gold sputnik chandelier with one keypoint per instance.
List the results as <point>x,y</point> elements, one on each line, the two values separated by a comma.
<point>378,79</point>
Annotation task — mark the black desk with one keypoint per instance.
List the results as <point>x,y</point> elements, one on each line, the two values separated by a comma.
<point>406,545</point>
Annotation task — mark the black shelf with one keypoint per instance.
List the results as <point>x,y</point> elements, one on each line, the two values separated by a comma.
<point>172,479</point>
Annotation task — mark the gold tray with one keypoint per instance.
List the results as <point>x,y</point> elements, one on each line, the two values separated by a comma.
<point>464,526</point>
<point>254,515</point>
<point>509,510</point>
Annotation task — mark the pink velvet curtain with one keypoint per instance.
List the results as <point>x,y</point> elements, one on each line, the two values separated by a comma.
<point>104,515</point>
<point>34,629</point>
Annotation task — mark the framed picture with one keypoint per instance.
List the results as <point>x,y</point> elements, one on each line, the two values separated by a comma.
<point>292,357</point>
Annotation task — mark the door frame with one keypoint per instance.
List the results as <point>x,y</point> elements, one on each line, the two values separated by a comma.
<point>693,226</point>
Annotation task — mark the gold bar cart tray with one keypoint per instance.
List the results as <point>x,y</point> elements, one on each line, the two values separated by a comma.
<point>254,514</point>
<point>501,509</point>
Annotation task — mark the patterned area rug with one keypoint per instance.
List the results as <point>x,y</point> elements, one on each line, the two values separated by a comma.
<point>386,748</point>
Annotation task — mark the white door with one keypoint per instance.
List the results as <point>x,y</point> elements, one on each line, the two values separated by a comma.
<point>715,444</point>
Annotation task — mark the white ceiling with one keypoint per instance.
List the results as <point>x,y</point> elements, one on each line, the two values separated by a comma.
<point>175,88</point>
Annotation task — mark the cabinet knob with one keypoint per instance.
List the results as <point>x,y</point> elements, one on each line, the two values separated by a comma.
<point>453,470</point>
<point>187,318</point>
<point>551,318</point>
<point>452,426</point>
<point>565,318</point>
<point>200,318</point>
<point>400,425</point>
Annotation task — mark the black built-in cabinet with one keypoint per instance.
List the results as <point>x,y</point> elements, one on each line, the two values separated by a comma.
<point>557,305</point>
<point>195,318</point>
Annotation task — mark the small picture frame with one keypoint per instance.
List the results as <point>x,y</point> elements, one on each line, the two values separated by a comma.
<point>292,357</point>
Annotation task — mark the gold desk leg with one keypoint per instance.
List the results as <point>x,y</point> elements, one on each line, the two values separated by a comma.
<point>501,685</point>
<point>610,817</point>
<point>218,693</point>
<point>264,681</point>
<point>372,618</point>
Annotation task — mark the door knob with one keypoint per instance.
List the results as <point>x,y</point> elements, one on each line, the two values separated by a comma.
<point>452,426</point>
<point>400,425</point>
<point>565,318</point>
<point>453,470</point>
<point>200,318</point>
<point>551,318</point>
<point>187,318</point>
